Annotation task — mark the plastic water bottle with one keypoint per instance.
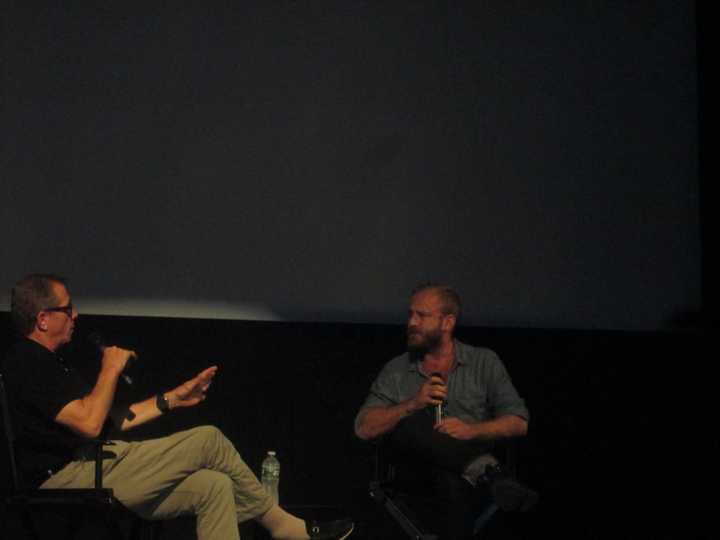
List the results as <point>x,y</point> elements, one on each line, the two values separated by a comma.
<point>270,476</point>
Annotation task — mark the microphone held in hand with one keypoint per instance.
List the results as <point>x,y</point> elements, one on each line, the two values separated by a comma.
<point>100,344</point>
<point>439,407</point>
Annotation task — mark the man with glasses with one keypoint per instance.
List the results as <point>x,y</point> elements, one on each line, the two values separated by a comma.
<point>441,405</point>
<point>197,471</point>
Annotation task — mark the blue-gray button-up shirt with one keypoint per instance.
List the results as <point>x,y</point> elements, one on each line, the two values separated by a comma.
<point>479,387</point>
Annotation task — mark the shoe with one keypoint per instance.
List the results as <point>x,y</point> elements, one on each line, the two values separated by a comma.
<point>330,530</point>
<point>512,496</point>
<point>509,494</point>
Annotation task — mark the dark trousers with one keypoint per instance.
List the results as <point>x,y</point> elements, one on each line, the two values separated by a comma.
<point>429,465</point>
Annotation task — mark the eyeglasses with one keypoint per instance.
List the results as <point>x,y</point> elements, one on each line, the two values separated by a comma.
<point>67,310</point>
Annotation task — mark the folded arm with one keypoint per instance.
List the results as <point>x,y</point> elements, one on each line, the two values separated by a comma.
<point>503,427</point>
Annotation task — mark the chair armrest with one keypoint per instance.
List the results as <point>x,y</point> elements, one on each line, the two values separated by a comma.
<point>97,446</point>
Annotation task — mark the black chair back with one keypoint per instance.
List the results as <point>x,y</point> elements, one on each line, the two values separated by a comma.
<point>9,435</point>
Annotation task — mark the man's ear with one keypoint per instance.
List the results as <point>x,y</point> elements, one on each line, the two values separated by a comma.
<point>41,321</point>
<point>448,323</point>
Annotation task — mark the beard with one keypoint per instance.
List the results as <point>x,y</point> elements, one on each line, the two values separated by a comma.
<point>419,342</point>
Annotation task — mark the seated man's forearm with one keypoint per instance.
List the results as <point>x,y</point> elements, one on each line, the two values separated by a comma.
<point>136,414</point>
<point>376,421</point>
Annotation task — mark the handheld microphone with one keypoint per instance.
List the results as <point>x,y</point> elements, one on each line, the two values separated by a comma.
<point>439,407</point>
<point>97,339</point>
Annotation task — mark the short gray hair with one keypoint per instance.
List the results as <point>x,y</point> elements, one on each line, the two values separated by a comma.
<point>30,296</point>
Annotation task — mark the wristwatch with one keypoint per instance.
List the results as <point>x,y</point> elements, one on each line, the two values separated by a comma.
<point>161,403</point>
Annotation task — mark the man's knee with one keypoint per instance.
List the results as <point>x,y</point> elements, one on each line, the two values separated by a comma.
<point>221,485</point>
<point>217,489</point>
<point>207,431</point>
<point>209,435</point>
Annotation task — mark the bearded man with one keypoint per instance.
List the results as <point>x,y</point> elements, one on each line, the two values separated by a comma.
<point>442,405</point>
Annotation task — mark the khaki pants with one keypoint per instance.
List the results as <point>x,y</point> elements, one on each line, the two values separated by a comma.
<point>197,471</point>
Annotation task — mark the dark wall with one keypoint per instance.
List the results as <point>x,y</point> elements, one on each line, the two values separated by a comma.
<point>618,438</point>
<point>315,160</point>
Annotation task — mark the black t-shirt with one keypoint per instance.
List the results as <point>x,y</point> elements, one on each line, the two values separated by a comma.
<point>39,384</point>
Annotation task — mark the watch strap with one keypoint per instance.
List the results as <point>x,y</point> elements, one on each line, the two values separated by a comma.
<point>162,403</point>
